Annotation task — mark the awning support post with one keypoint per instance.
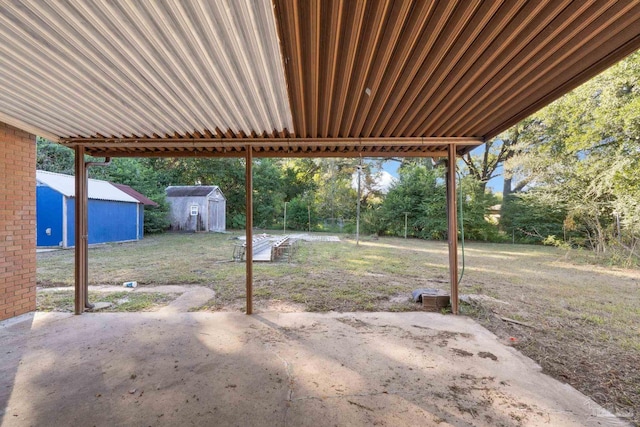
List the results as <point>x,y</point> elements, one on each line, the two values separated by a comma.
<point>249,228</point>
<point>452,228</point>
<point>81,231</point>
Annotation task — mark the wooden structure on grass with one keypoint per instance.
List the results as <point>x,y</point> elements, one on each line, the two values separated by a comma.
<point>295,78</point>
<point>197,208</point>
<point>266,249</point>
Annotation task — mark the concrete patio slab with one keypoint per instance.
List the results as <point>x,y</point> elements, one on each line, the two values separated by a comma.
<point>273,369</point>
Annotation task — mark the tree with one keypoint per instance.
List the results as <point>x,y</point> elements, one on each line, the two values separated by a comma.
<point>335,198</point>
<point>301,214</point>
<point>483,167</point>
<point>420,193</point>
<point>52,157</point>
<point>583,151</point>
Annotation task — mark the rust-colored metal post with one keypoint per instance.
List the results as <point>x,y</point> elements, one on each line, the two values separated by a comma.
<point>452,214</point>
<point>249,228</point>
<point>81,243</point>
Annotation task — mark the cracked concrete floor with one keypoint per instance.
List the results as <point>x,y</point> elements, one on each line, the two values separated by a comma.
<point>272,369</point>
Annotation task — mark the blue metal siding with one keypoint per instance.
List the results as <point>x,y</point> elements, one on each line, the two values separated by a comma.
<point>141,222</point>
<point>48,216</point>
<point>109,221</point>
<point>112,221</point>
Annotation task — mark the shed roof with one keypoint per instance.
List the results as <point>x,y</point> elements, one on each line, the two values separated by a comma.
<point>191,190</point>
<point>97,189</point>
<point>297,77</point>
<point>136,195</point>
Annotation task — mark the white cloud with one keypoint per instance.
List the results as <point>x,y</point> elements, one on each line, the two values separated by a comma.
<point>384,180</point>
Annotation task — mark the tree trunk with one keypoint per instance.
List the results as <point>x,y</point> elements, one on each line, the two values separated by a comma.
<point>506,193</point>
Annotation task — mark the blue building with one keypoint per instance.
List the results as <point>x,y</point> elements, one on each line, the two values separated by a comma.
<point>114,215</point>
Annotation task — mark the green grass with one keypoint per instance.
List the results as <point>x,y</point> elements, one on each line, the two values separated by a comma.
<point>122,301</point>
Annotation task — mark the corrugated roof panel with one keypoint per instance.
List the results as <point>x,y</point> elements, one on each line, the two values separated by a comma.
<point>88,68</point>
<point>375,78</point>
<point>191,190</point>
<point>465,68</point>
<point>98,190</point>
<point>136,195</point>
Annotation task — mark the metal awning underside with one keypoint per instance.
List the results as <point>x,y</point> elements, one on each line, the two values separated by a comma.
<point>297,77</point>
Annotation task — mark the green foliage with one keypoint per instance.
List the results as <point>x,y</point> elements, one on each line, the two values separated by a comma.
<point>268,195</point>
<point>299,211</point>
<point>420,195</point>
<point>371,220</point>
<point>530,217</point>
<point>52,157</point>
<point>156,218</point>
<point>582,155</point>
<point>238,221</point>
<point>335,198</point>
<point>475,207</point>
<point>552,240</point>
<point>420,192</point>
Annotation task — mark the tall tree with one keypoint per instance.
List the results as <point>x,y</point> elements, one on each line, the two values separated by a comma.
<point>583,152</point>
<point>52,157</point>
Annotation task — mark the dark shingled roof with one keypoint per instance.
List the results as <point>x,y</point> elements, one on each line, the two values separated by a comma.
<point>133,193</point>
<point>190,190</point>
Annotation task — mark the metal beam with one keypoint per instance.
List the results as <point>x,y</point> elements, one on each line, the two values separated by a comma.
<point>452,228</point>
<point>229,153</point>
<point>186,142</point>
<point>249,228</point>
<point>81,242</point>
<point>273,147</point>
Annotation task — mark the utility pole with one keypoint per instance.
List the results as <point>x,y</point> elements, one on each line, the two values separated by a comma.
<point>309,212</point>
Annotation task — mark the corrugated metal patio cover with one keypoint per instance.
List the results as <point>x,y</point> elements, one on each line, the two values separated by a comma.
<point>297,77</point>
<point>123,68</point>
<point>451,68</point>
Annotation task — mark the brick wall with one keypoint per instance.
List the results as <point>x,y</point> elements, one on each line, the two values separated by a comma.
<point>17,222</point>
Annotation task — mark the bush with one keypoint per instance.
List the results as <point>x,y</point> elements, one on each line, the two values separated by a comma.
<point>156,218</point>
<point>529,219</point>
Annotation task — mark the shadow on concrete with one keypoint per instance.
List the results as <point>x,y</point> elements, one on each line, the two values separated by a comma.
<point>14,337</point>
<point>272,369</point>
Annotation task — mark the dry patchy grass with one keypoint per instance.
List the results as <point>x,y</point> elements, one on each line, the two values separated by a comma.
<point>121,301</point>
<point>586,316</point>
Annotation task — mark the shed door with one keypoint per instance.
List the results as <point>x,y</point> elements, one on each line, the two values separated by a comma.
<point>214,215</point>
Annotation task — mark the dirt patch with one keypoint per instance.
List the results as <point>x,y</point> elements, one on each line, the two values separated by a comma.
<point>460,352</point>
<point>353,322</point>
<point>487,355</point>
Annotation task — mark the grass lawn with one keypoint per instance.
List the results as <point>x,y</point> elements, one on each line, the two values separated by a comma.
<point>585,316</point>
<point>121,301</point>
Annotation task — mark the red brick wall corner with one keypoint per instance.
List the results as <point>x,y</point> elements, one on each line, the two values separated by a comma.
<point>17,222</point>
